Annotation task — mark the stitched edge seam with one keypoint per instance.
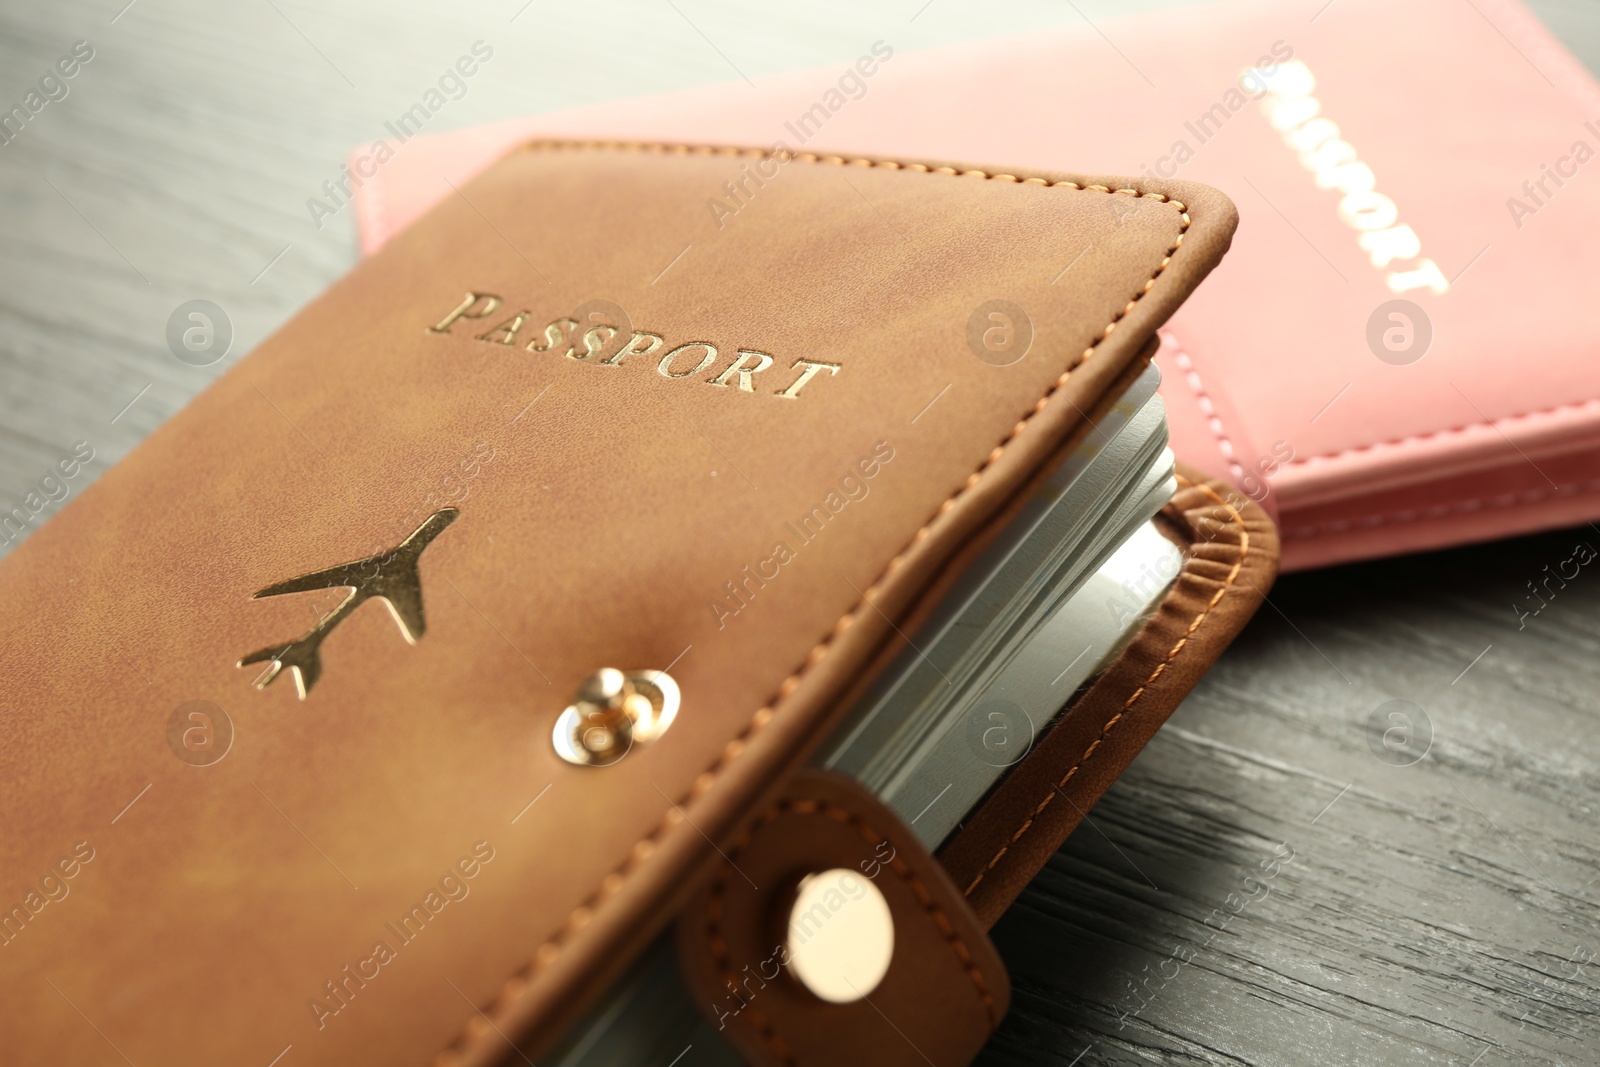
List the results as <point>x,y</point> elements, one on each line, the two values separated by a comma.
<point>547,952</point>
<point>1172,654</point>
<point>1438,511</point>
<point>1467,427</point>
<point>719,945</point>
<point>1203,401</point>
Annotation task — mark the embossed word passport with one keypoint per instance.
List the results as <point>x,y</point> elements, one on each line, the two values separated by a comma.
<point>544,602</point>
<point>1391,359</point>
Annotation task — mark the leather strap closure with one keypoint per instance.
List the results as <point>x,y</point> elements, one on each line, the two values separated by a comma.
<point>945,989</point>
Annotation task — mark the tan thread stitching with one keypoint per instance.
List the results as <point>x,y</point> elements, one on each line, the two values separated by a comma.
<point>1172,654</point>
<point>719,944</point>
<point>550,950</point>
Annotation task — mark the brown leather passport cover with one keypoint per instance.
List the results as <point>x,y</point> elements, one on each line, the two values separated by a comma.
<point>398,869</point>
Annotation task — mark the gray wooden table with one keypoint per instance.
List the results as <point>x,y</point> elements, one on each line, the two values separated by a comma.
<point>1262,887</point>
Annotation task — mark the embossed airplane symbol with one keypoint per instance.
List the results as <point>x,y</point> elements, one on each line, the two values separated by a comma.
<point>390,576</point>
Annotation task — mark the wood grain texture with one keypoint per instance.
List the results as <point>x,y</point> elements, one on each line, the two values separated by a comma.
<point>1439,913</point>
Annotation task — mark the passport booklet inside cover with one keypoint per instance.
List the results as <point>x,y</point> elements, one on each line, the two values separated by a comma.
<point>746,633</point>
<point>1397,355</point>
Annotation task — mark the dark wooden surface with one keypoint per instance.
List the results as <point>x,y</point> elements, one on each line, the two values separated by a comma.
<point>1260,888</point>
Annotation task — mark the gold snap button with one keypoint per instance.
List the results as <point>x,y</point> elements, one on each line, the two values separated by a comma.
<point>611,711</point>
<point>841,935</point>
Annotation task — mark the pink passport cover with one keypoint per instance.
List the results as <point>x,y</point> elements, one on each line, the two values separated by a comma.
<point>1269,376</point>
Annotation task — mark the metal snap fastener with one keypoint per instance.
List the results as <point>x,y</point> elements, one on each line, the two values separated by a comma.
<point>611,711</point>
<point>841,935</point>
